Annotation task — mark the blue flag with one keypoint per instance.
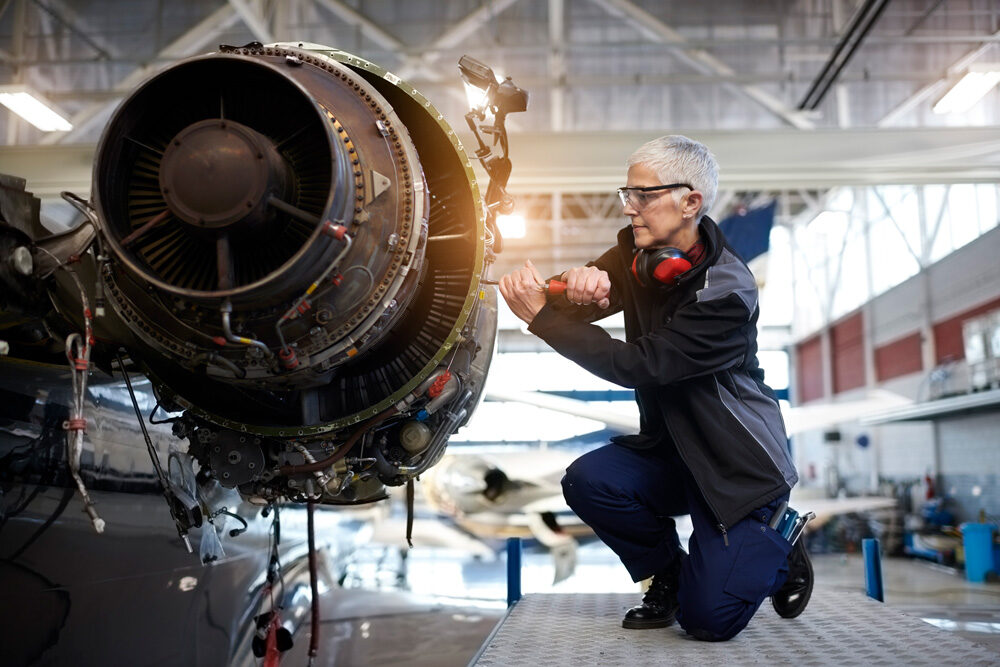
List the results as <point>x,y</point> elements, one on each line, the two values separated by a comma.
<point>749,232</point>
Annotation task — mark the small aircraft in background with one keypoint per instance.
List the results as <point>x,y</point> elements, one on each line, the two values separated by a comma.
<point>517,493</point>
<point>512,494</point>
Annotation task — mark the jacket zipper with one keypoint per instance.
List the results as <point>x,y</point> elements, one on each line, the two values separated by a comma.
<point>721,526</point>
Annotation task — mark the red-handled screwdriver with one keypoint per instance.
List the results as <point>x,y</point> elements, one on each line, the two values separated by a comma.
<point>555,287</point>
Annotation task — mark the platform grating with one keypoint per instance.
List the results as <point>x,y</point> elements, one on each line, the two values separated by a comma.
<point>838,628</point>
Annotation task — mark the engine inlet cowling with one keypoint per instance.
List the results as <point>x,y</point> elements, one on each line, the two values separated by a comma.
<point>270,215</point>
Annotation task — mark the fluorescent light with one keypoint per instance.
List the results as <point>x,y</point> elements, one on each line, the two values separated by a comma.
<point>970,89</point>
<point>512,226</point>
<point>33,109</point>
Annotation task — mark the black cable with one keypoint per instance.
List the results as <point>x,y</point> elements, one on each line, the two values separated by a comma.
<point>274,571</point>
<point>313,584</point>
<point>142,423</point>
<point>63,502</point>
<point>168,420</point>
<point>409,512</point>
<point>168,494</point>
<point>235,532</point>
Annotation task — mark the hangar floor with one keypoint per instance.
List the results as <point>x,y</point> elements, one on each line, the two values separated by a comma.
<point>437,606</point>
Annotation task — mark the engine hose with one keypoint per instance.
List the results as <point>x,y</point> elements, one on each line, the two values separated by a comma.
<point>340,453</point>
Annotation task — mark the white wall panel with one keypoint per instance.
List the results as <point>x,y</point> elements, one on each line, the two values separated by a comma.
<point>970,464</point>
<point>898,312</point>
<point>967,277</point>
<point>906,450</point>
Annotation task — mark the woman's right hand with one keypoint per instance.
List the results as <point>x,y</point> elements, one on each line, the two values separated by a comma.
<point>586,285</point>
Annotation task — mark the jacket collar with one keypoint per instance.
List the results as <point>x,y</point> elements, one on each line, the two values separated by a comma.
<point>709,231</point>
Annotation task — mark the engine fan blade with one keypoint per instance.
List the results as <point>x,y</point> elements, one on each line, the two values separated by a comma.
<point>153,222</point>
<point>223,262</point>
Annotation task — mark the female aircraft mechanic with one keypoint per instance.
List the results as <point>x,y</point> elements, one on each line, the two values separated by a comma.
<point>712,442</point>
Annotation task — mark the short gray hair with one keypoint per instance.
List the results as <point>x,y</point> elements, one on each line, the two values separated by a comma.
<point>677,159</point>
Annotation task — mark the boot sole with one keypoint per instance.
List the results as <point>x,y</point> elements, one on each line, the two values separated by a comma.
<point>800,604</point>
<point>647,625</point>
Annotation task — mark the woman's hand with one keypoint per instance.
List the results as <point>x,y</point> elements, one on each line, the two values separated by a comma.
<point>586,285</point>
<point>524,291</point>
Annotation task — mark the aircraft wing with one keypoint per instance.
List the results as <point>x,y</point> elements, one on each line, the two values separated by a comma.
<point>614,420</point>
<point>798,419</point>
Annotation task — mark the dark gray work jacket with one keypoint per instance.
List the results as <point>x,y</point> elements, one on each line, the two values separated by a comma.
<point>691,355</point>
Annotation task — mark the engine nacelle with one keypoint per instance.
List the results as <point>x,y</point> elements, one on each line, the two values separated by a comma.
<point>296,240</point>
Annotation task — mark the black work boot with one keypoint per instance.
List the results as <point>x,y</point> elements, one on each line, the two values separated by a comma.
<point>793,596</point>
<point>659,604</point>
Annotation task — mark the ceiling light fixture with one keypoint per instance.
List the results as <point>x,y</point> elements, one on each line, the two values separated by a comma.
<point>33,108</point>
<point>971,88</point>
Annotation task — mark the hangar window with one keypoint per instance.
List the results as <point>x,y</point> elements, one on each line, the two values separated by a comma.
<point>775,272</point>
<point>894,235</point>
<point>868,240</point>
<point>959,214</point>
<point>963,215</point>
<point>852,286</point>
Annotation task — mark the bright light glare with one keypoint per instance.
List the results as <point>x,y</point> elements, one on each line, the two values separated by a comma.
<point>512,226</point>
<point>972,88</point>
<point>31,109</point>
<point>477,96</point>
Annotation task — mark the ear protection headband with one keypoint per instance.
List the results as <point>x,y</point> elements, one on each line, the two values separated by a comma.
<point>661,266</point>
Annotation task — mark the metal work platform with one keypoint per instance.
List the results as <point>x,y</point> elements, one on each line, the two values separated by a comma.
<point>838,628</point>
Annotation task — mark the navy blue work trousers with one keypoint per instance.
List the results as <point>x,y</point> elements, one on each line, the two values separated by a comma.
<point>629,496</point>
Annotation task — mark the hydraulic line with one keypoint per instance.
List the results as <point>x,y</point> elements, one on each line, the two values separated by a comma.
<point>226,309</point>
<point>363,428</point>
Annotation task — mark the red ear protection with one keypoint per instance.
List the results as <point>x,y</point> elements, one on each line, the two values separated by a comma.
<point>659,266</point>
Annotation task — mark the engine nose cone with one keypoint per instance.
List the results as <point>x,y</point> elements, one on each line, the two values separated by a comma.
<point>216,172</point>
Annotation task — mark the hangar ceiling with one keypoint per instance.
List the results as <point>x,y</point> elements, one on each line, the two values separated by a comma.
<point>795,96</point>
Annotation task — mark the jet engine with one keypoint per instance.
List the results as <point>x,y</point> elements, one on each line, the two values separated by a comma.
<point>291,244</point>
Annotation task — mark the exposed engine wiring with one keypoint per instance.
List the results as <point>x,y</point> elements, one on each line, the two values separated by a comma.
<point>265,643</point>
<point>346,447</point>
<point>78,354</point>
<point>301,304</point>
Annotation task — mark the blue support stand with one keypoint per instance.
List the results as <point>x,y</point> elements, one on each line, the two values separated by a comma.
<point>873,569</point>
<point>513,570</point>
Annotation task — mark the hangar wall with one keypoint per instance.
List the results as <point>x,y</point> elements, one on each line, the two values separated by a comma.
<point>907,340</point>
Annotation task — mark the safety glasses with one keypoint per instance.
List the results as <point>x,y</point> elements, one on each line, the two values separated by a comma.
<point>638,198</point>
